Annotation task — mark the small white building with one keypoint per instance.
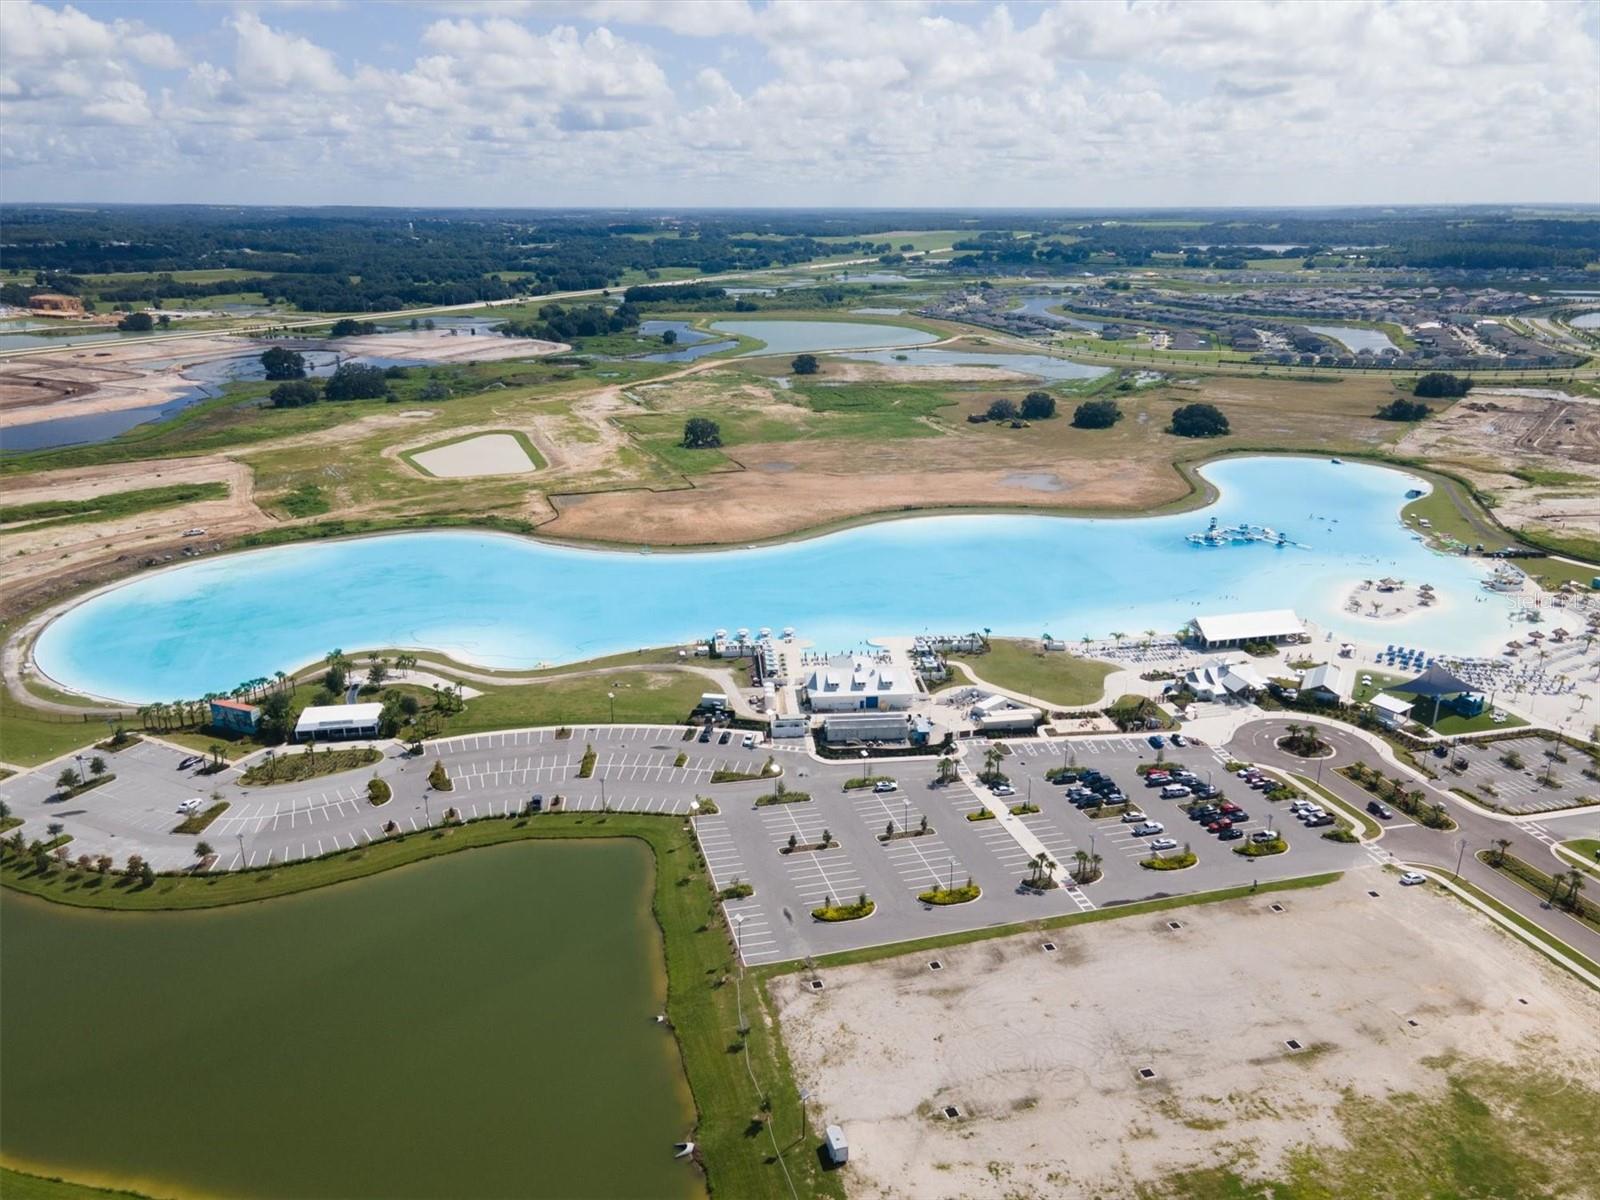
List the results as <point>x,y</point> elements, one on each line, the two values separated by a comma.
<point>1325,683</point>
<point>1234,629</point>
<point>1222,680</point>
<point>870,727</point>
<point>1016,719</point>
<point>1391,711</point>
<point>337,722</point>
<point>858,683</point>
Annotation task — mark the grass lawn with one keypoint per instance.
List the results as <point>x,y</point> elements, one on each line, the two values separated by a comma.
<point>45,513</point>
<point>642,696</point>
<point>728,1071</point>
<point>1380,683</point>
<point>29,736</point>
<point>1060,677</point>
<point>19,1185</point>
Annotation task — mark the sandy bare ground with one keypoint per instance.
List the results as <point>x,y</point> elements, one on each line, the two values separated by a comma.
<point>485,454</point>
<point>104,377</point>
<point>793,486</point>
<point>1497,430</point>
<point>442,346</point>
<point>1040,1052</point>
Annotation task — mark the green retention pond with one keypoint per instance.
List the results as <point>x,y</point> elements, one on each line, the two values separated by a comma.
<point>476,1025</point>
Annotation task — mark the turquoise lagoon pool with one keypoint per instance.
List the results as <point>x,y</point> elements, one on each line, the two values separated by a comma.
<point>506,601</point>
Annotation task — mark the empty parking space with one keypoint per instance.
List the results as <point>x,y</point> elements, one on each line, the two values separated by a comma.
<point>815,875</point>
<point>921,861</point>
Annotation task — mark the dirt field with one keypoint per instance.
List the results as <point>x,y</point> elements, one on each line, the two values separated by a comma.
<point>1499,430</point>
<point>443,346</point>
<point>1040,1052</point>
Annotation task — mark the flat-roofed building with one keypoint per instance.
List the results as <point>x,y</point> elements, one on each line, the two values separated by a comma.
<point>1235,629</point>
<point>337,722</point>
<point>894,728</point>
<point>235,716</point>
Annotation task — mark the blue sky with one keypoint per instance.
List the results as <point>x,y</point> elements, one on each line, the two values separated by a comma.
<point>723,102</point>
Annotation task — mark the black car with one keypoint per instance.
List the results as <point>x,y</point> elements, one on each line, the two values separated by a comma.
<point>705,734</point>
<point>1381,811</point>
<point>536,802</point>
<point>1204,814</point>
<point>726,734</point>
<point>1228,835</point>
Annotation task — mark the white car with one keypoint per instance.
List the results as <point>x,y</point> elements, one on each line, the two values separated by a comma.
<point>1149,828</point>
<point>1134,817</point>
<point>749,741</point>
<point>1265,835</point>
<point>885,785</point>
<point>1164,843</point>
<point>1412,878</point>
<point>1003,789</point>
<point>191,805</point>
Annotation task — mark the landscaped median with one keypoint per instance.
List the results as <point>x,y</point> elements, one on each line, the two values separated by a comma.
<point>200,821</point>
<point>831,912</point>
<point>1255,849</point>
<point>275,768</point>
<point>1181,861</point>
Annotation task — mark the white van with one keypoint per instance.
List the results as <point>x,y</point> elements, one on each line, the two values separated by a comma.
<point>1174,791</point>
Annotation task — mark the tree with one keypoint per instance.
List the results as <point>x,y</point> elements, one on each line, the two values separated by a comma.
<point>97,766</point>
<point>805,364</point>
<point>1501,845</point>
<point>297,393</point>
<point>1401,409</point>
<point>1038,406</point>
<point>350,327</point>
<point>67,779</point>
<point>1096,414</point>
<point>669,337</point>
<point>438,778</point>
<point>279,363</point>
<point>137,322</point>
<point>203,850</point>
<point>1001,410</point>
<point>218,754</point>
<point>794,840</point>
<point>947,770</point>
<point>701,433</point>
<point>354,381</point>
<point>1199,420</point>
<point>377,671</point>
<point>1441,384</point>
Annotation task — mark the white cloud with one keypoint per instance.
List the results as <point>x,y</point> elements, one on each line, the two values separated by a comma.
<point>696,101</point>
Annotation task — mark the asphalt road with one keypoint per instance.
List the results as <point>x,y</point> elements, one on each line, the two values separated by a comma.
<point>1531,838</point>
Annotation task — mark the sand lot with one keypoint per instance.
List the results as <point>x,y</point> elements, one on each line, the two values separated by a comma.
<point>486,454</point>
<point>1041,1051</point>
<point>445,346</point>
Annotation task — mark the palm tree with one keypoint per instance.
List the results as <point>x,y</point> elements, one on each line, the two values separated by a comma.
<point>1080,864</point>
<point>1501,845</point>
<point>1574,886</point>
<point>203,850</point>
<point>1117,637</point>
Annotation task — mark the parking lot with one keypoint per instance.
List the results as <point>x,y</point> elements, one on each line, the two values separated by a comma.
<point>637,770</point>
<point>1540,784</point>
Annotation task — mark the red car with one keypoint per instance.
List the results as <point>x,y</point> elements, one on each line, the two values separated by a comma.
<point>1219,826</point>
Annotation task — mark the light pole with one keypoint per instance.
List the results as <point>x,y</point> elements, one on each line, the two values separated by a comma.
<point>240,836</point>
<point>1461,854</point>
<point>612,696</point>
<point>78,758</point>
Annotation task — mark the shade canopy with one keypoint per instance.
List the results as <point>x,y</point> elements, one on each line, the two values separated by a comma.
<point>1435,681</point>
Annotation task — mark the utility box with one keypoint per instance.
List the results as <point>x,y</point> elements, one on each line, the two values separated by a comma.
<point>838,1148</point>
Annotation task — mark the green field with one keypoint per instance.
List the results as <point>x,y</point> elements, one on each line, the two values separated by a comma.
<point>1059,677</point>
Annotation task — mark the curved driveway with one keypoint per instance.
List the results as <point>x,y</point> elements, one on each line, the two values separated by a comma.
<point>1406,841</point>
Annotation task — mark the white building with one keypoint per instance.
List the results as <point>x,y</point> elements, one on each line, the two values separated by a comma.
<point>869,727</point>
<point>1234,629</point>
<point>337,722</point>
<point>1326,682</point>
<point>1391,711</point>
<point>1221,680</point>
<point>858,683</point>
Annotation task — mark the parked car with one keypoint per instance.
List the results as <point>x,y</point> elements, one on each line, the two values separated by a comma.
<point>1219,825</point>
<point>536,802</point>
<point>1320,819</point>
<point>1174,791</point>
<point>1412,878</point>
<point>1003,789</point>
<point>1148,829</point>
<point>1177,739</point>
<point>705,734</point>
<point>1133,817</point>
<point>1203,814</point>
<point>1230,834</point>
<point>749,742</point>
<point>194,760</point>
<point>1265,835</point>
<point>726,734</point>
<point>1164,843</point>
<point>1156,740</point>
<point>192,805</point>
<point>1157,779</point>
<point>1379,810</point>
<point>1246,772</point>
<point>1237,815</point>
<point>885,785</point>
